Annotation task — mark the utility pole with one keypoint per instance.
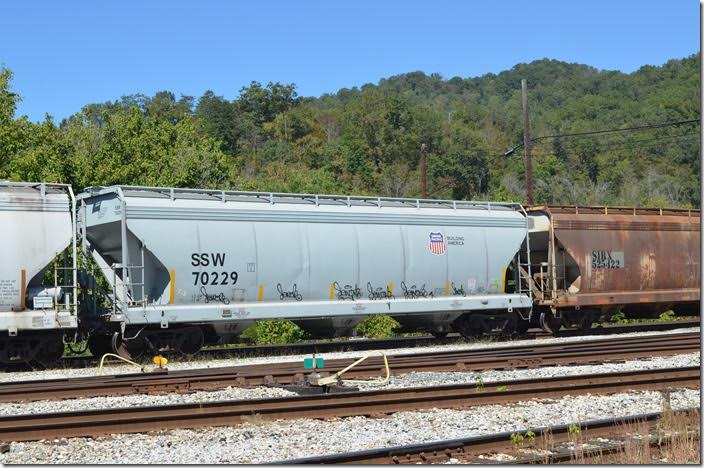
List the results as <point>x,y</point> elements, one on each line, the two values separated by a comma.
<point>526,144</point>
<point>423,172</point>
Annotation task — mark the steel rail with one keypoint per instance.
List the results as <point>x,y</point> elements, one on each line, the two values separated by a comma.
<point>468,449</point>
<point>521,356</point>
<point>378,402</point>
<point>510,357</point>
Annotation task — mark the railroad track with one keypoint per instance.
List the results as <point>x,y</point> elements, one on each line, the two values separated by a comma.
<point>391,343</point>
<point>471,449</point>
<point>292,373</point>
<point>334,405</point>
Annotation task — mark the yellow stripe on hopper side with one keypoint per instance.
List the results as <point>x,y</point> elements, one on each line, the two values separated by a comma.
<point>503,282</point>
<point>332,291</point>
<point>261,293</point>
<point>447,288</point>
<point>172,289</point>
<point>23,289</point>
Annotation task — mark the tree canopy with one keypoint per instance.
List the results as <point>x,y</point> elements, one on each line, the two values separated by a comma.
<point>366,140</point>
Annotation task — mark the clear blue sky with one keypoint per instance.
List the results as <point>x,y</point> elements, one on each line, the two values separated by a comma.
<point>67,54</point>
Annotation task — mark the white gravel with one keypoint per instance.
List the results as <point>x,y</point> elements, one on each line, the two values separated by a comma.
<point>257,442</point>
<point>119,368</point>
<point>127,401</point>
<point>416,379</point>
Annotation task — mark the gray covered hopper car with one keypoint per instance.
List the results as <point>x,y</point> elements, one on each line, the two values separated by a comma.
<point>37,225</point>
<point>188,267</point>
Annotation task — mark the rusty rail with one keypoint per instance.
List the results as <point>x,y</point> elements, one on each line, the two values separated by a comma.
<point>469,449</point>
<point>506,357</point>
<point>379,402</point>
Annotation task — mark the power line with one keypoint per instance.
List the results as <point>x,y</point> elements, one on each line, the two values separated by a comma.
<point>633,144</point>
<point>626,144</point>
<point>452,184</point>
<point>648,145</point>
<point>618,130</point>
<point>607,131</point>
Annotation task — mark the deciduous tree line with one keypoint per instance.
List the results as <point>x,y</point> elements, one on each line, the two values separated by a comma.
<point>367,140</point>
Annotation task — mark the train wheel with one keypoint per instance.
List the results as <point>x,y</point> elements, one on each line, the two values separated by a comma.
<point>439,334</point>
<point>522,326</point>
<point>587,319</point>
<point>32,348</point>
<point>50,350</point>
<point>510,324</point>
<point>99,344</point>
<point>16,349</point>
<point>468,328</point>
<point>192,341</point>
<point>131,349</point>
<point>549,323</point>
<point>580,319</point>
<point>476,324</point>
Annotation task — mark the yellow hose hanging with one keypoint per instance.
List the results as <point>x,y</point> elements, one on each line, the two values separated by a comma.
<point>102,360</point>
<point>336,377</point>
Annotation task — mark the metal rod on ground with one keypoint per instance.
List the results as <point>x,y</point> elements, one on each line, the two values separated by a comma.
<point>526,144</point>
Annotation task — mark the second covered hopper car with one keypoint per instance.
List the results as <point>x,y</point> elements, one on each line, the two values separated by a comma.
<point>589,262</point>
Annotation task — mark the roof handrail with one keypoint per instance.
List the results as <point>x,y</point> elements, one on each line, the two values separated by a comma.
<point>318,199</point>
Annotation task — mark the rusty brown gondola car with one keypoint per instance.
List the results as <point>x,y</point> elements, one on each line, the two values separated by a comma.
<point>590,262</point>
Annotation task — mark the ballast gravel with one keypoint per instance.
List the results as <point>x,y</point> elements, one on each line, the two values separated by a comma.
<point>258,441</point>
<point>120,368</point>
<point>416,379</point>
<point>261,442</point>
<point>131,401</point>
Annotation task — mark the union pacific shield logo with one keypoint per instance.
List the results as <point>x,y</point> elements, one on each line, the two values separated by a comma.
<point>437,243</point>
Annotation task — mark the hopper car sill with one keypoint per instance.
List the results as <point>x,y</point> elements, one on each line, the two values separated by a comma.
<point>242,311</point>
<point>37,320</point>
<point>627,297</point>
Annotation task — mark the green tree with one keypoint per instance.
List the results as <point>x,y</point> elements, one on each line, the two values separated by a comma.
<point>366,140</point>
<point>223,121</point>
<point>13,133</point>
<point>133,148</point>
<point>263,104</point>
<point>45,156</point>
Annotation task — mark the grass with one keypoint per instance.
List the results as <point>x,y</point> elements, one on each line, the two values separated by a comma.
<point>676,440</point>
<point>667,316</point>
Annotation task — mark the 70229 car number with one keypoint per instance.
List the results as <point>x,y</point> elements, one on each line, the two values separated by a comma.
<point>214,278</point>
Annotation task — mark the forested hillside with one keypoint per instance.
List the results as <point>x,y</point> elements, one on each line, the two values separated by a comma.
<point>366,140</point>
